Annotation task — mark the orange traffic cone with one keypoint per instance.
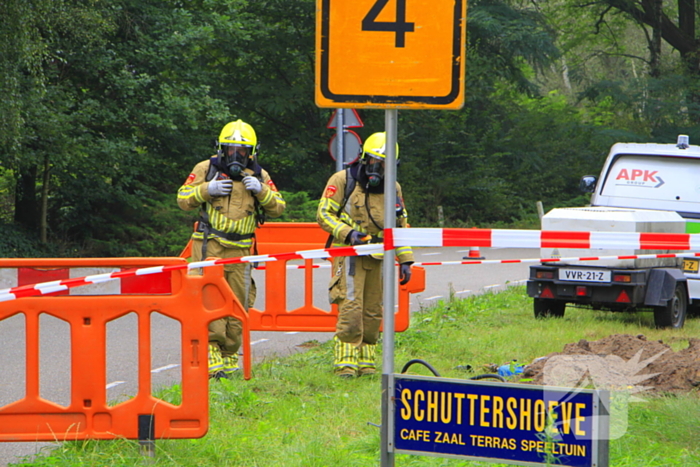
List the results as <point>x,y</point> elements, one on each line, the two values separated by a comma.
<point>474,254</point>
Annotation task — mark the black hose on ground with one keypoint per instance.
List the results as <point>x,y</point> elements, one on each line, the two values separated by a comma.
<point>422,362</point>
<point>488,375</point>
<point>436,373</point>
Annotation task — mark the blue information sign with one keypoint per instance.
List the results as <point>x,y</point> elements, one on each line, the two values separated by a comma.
<point>500,422</point>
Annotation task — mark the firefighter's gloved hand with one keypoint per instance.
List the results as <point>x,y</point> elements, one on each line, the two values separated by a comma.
<point>405,273</point>
<point>252,184</point>
<point>220,187</point>
<point>356,238</point>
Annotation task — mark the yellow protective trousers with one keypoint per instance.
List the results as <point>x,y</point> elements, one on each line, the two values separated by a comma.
<point>227,332</point>
<point>356,287</point>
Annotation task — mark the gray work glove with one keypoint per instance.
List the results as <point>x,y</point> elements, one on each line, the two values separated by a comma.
<point>220,187</point>
<point>405,273</point>
<point>356,238</point>
<point>252,184</point>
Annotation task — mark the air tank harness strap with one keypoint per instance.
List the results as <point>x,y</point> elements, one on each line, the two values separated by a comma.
<point>204,227</point>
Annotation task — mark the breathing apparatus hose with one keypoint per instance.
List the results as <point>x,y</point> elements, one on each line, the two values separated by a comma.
<point>435,372</point>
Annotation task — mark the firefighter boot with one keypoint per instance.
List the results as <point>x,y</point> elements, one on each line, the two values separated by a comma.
<point>231,365</point>
<point>216,362</point>
<point>345,359</point>
<point>365,361</point>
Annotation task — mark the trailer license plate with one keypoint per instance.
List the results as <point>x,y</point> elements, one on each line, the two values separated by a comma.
<point>584,275</point>
<point>690,265</point>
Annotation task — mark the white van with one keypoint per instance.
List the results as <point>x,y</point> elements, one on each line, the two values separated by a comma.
<point>641,188</point>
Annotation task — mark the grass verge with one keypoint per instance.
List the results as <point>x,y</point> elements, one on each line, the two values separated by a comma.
<point>295,413</point>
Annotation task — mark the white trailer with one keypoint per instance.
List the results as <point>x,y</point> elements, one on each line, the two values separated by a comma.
<point>641,188</point>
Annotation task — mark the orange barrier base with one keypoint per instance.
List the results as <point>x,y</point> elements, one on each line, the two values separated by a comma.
<point>192,300</point>
<point>308,318</point>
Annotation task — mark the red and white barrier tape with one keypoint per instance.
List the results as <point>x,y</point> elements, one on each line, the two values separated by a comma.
<point>46,288</point>
<point>499,238</point>
<point>527,260</point>
<point>425,237</point>
<point>557,260</point>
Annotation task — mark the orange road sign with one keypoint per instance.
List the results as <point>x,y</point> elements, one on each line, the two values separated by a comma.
<point>390,53</point>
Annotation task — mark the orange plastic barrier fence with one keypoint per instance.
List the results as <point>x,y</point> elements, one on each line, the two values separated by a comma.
<point>193,300</point>
<point>280,237</point>
<point>285,237</point>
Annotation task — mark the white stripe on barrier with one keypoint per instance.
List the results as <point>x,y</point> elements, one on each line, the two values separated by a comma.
<point>313,254</point>
<point>201,264</point>
<point>151,270</point>
<point>515,238</point>
<point>615,240</point>
<point>694,243</point>
<point>417,237</point>
<point>49,290</point>
<point>98,278</point>
<point>255,259</point>
<point>99,285</point>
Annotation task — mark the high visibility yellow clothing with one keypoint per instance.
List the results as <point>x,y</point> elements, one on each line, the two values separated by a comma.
<point>363,212</point>
<point>227,332</point>
<point>356,283</point>
<point>232,214</point>
<point>356,287</point>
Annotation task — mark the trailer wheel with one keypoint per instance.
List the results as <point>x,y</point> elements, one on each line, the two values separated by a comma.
<point>546,308</point>
<point>673,314</point>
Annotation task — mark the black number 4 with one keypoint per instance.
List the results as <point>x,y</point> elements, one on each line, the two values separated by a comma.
<point>400,26</point>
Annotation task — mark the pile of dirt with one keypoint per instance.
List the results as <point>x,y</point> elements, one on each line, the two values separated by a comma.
<point>620,361</point>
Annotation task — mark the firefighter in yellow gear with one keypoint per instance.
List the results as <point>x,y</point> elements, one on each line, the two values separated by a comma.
<point>352,212</point>
<point>234,195</point>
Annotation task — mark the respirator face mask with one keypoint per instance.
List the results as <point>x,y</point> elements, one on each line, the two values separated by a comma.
<point>235,158</point>
<point>374,168</point>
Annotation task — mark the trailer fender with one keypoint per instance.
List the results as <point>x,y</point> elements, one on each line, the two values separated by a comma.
<point>662,285</point>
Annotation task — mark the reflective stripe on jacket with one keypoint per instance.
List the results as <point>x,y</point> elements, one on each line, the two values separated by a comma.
<point>234,213</point>
<point>360,213</point>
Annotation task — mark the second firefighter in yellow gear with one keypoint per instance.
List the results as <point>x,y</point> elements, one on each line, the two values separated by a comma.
<point>234,195</point>
<point>352,212</point>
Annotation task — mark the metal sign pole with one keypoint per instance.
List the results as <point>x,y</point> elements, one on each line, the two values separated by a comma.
<point>340,139</point>
<point>389,272</point>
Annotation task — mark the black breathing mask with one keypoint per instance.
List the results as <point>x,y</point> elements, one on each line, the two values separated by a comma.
<point>234,158</point>
<point>374,168</point>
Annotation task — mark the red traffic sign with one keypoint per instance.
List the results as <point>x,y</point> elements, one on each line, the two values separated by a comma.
<point>350,120</point>
<point>352,146</point>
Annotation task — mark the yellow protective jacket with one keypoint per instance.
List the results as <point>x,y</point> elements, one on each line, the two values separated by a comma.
<point>234,213</point>
<point>355,214</point>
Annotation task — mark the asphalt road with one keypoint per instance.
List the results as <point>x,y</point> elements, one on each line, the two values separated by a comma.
<point>462,280</point>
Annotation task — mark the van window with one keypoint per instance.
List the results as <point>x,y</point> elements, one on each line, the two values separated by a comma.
<point>654,182</point>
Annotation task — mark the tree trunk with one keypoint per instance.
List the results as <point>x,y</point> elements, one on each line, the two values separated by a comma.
<point>43,217</point>
<point>26,212</point>
<point>654,12</point>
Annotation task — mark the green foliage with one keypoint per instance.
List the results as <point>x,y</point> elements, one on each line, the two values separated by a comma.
<point>113,104</point>
<point>6,194</point>
<point>16,242</point>
<point>300,208</point>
